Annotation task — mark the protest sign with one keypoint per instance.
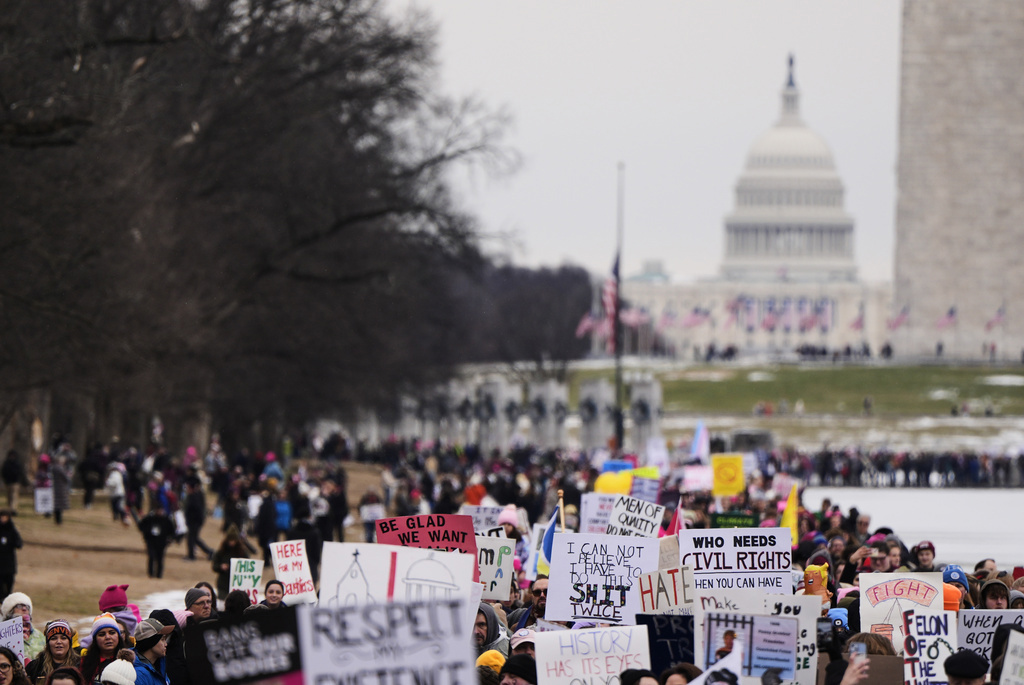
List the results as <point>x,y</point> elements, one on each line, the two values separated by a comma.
<point>542,626</point>
<point>496,532</point>
<point>484,517</point>
<point>494,558</point>
<point>668,552</point>
<point>431,531</point>
<point>590,657</point>
<point>44,500</point>
<point>232,650</point>
<point>12,636</point>
<point>1013,660</point>
<point>740,557</point>
<point>410,642</point>
<point>635,517</point>
<point>670,638</point>
<point>727,473</point>
<point>731,600</point>
<point>805,609</point>
<point>595,511</point>
<point>767,642</point>
<point>697,478</point>
<point>667,591</point>
<point>647,489</point>
<point>976,628</point>
<point>593,577</point>
<point>930,639</point>
<point>360,572</point>
<point>734,519</point>
<point>246,575</point>
<point>291,567</point>
<point>885,596</point>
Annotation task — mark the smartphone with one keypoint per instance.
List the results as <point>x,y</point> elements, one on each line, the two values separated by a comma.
<point>826,636</point>
<point>858,652</point>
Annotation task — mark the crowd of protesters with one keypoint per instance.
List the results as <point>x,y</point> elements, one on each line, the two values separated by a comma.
<point>261,498</point>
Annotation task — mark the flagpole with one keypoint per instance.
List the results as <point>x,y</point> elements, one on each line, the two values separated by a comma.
<point>620,430</point>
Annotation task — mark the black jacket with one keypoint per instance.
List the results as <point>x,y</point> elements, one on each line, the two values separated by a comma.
<point>10,543</point>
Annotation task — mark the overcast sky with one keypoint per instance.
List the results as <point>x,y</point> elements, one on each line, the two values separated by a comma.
<point>677,90</point>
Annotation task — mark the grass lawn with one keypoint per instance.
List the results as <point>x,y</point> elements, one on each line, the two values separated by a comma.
<point>896,391</point>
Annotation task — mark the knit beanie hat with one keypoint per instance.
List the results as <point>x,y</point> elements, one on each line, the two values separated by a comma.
<point>180,617</point>
<point>113,597</point>
<point>58,626</point>
<point>521,665</point>
<point>955,574</point>
<point>508,515</point>
<point>105,620</point>
<point>492,658</point>
<point>120,671</point>
<point>13,600</point>
<point>194,595</point>
<point>950,597</point>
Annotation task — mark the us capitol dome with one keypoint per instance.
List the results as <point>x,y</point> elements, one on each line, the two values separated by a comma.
<point>789,222</point>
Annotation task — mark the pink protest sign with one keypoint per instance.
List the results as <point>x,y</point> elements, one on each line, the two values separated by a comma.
<point>452,532</point>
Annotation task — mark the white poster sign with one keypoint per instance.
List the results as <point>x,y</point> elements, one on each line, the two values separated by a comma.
<point>495,557</point>
<point>12,636</point>
<point>885,596</point>
<point>412,642</point>
<point>590,657</point>
<point>930,640</point>
<point>667,591</point>
<point>805,609</point>
<point>976,628</point>
<point>357,573</point>
<point>768,642</point>
<point>595,511</point>
<point>754,558</point>
<point>246,575</point>
<point>291,567</point>
<point>631,516</point>
<point>1013,661</point>
<point>484,517</point>
<point>594,577</point>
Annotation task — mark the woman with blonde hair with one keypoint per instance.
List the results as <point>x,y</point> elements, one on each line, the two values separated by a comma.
<point>56,654</point>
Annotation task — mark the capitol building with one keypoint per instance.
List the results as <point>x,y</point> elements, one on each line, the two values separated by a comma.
<point>788,277</point>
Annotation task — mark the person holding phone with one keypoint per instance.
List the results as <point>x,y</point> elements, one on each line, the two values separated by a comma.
<point>854,669</point>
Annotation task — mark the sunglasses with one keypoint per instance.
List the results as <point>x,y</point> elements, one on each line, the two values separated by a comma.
<point>540,592</point>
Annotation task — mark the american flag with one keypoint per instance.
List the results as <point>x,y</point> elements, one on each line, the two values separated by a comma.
<point>770,319</point>
<point>900,319</point>
<point>695,318</point>
<point>610,298</point>
<point>587,324</point>
<point>948,320</point>
<point>733,307</point>
<point>808,319</point>
<point>998,320</point>
<point>858,323</point>
<point>634,318</point>
<point>825,316</point>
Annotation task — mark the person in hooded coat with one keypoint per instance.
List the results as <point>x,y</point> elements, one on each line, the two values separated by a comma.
<point>487,631</point>
<point>10,543</point>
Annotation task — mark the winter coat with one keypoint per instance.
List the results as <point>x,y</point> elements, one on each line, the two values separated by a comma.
<point>61,476</point>
<point>195,509</point>
<point>266,521</point>
<point>10,543</point>
<point>148,673</point>
<point>115,483</point>
<point>13,471</point>
<point>157,529</point>
<point>495,638</point>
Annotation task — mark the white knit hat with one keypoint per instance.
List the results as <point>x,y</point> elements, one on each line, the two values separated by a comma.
<point>120,671</point>
<point>12,600</point>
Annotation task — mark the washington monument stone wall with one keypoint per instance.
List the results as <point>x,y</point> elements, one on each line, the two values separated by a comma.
<point>960,211</point>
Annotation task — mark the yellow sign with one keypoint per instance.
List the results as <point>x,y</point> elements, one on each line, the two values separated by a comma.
<point>728,475</point>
